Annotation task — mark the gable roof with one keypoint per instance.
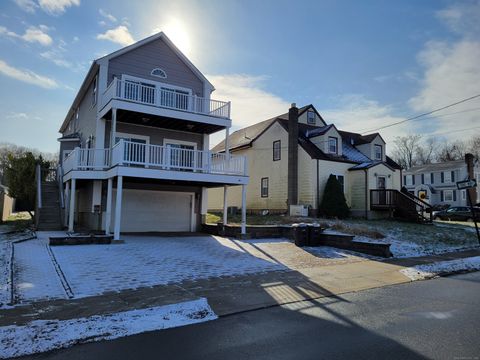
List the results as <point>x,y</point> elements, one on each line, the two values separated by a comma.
<point>92,72</point>
<point>446,165</point>
<point>359,139</point>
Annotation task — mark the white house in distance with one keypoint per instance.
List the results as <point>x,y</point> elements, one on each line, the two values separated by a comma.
<point>135,143</point>
<point>291,157</point>
<point>436,183</point>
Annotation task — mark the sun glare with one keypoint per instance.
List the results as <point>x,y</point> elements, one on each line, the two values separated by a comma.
<point>177,32</point>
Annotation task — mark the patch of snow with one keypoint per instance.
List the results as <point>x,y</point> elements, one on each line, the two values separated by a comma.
<point>5,273</point>
<point>44,335</point>
<point>427,271</point>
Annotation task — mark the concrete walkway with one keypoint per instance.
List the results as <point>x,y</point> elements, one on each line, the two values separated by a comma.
<point>233,294</point>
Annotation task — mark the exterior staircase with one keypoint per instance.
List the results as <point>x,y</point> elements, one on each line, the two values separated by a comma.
<point>402,205</point>
<point>48,215</point>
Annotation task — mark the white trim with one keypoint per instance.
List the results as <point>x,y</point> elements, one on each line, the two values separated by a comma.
<point>192,212</point>
<point>179,142</point>
<point>158,84</point>
<point>159,76</point>
<point>133,136</point>
<point>68,139</point>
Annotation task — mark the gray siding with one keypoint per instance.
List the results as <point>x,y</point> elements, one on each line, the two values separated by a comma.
<point>156,134</point>
<point>141,61</point>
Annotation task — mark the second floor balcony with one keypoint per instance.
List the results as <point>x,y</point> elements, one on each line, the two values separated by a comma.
<point>156,157</point>
<point>164,97</point>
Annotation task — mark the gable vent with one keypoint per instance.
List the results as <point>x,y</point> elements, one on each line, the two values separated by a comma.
<point>159,73</point>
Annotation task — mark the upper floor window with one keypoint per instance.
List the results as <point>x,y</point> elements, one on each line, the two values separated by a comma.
<point>159,73</point>
<point>311,117</point>
<point>378,152</point>
<point>277,150</point>
<point>264,187</point>
<point>332,145</point>
<point>448,176</point>
<point>94,91</point>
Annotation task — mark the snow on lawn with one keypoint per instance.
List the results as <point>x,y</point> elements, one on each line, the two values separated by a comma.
<point>409,239</point>
<point>45,335</point>
<point>427,271</point>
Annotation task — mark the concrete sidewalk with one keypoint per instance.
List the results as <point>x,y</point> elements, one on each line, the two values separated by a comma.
<point>233,294</point>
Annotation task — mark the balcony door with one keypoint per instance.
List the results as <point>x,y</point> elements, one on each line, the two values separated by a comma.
<point>180,155</point>
<point>135,147</point>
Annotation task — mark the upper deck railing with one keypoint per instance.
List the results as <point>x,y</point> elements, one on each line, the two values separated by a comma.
<point>149,94</point>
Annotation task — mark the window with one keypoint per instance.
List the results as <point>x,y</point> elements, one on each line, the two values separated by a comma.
<point>94,91</point>
<point>159,73</point>
<point>447,176</point>
<point>311,117</point>
<point>332,145</point>
<point>277,150</point>
<point>448,195</point>
<point>378,152</point>
<point>264,187</point>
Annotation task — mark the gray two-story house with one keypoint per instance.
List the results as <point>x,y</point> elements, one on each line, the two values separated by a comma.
<point>134,146</point>
<point>437,183</point>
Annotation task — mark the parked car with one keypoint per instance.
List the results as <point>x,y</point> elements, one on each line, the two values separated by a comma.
<point>437,208</point>
<point>457,213</point>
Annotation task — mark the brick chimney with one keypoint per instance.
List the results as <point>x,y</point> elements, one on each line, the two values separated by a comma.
<point>293,155</point>
<point>469,158</point>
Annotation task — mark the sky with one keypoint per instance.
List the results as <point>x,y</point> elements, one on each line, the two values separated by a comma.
<point>362,64</point>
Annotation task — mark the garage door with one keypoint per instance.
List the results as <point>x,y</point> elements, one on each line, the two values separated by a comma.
<point>144,210</point>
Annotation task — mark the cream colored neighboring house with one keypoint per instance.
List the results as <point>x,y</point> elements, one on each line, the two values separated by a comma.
<point>7,203</point>
<point>359,162</point>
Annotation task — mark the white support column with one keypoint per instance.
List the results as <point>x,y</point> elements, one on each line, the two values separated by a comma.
<point>71,208</point>
<point>108,212</point>
<point>113,128</point>
<point>67,203</point>
<point>225,206</point>
<point>118,209</point>
<point>244,209</point>
<point>227,143</point>
<point>204,205</point>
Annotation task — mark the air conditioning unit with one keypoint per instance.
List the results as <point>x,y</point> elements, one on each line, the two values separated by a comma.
<point>298,210</point>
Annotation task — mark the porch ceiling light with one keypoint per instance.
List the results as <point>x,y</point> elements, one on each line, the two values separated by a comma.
<point>190,126</point>
<point>145,119</point>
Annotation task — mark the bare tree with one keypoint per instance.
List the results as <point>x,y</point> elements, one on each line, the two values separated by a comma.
<point>451,151</point>
<point>406,148</point>
<point>425,153</point>
<point>474,146</point>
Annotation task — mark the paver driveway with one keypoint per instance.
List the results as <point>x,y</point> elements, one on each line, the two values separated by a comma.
<point>144,261</point>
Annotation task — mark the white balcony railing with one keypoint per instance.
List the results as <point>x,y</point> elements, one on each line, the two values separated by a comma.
<point>172,99</point>
<point>127,153</point>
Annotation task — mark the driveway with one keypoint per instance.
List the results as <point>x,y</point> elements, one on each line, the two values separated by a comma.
<point>44,272</point>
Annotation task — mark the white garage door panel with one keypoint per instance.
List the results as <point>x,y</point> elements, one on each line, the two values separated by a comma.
<point>144,210</point>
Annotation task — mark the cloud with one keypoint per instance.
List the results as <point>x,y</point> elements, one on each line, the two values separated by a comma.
<point>57,7</point>
<point>120,35</point>
<point>27,5</point>
<point>27,76</point>
<point>451,72</point>
<point>17,116</point>
<point>31,35</point>
<point>250,102</point>
<point>107,16</point>
<point>56,58</point>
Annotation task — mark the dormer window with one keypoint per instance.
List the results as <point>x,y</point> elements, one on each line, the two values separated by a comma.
<point>311,117</point>
<point>159,73</point>
<point>332,145</point>
<point>378,152</point>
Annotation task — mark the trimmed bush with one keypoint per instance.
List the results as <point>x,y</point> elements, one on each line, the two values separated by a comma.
<point>333,202</point>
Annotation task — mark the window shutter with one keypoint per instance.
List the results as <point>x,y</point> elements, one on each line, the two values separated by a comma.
<point>454,194</point>
<point>404,180</point>
<point>432,178</point>
<point>453,176</point>
<point>413,179</point>
<point>443,178</point>
<point>441,195</point>
<point>423,179</point>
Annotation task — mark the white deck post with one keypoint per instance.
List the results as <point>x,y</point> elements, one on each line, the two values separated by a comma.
<point>244,209</point>
<point>225,206</point>
<point>71,208</point>
<point>227,143</point>
<point>113,133</point>
<point>118,209</point>
<point>67,203</point>
<point>108,212</point>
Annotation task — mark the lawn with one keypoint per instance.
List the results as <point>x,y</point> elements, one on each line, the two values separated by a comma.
<point>407,239</point>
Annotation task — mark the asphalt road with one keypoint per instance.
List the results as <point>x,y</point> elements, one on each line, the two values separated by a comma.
<point>427,319</point>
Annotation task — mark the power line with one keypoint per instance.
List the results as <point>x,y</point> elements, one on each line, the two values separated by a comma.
<point>424,114</point>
